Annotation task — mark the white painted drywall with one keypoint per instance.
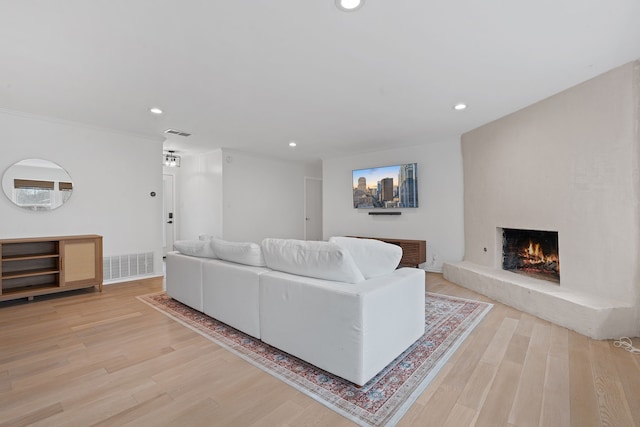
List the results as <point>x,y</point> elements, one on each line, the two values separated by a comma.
<point>569,164</point>
<point>438,220</point>
<point>263,197</point>
<point>241,197</point>
<point>198,195</point>
<point>113,175</point>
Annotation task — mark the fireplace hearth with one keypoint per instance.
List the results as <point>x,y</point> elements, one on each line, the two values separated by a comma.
<point>531,252</point>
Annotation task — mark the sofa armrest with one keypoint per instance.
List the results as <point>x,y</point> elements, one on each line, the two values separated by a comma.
<point>184,279</point>
<point>350,330</point>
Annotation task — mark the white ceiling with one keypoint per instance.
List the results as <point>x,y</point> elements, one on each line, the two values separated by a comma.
<point>254,75</point>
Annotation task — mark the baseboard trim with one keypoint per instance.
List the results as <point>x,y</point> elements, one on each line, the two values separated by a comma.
<point>137,279</point>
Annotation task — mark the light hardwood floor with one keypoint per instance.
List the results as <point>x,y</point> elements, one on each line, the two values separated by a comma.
<point>86,358</point>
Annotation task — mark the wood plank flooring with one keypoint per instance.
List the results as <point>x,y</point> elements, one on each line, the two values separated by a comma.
<point>85,358</point>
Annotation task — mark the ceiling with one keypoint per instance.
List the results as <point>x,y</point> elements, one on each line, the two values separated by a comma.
<point>255,75</point>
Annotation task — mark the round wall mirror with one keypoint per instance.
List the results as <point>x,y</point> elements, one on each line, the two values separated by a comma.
<point>37,185</point>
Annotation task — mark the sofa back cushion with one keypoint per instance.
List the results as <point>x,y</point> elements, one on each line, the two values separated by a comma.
<point>373,257</point>
<point>197,248</point>
<point>247,253</point>
<point>322,260</point>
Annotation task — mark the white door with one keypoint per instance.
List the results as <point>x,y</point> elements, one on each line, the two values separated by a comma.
<point>312,208</point>
<point>167,214</point>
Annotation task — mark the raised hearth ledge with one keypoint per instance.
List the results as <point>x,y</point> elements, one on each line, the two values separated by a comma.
<point>593,316</point>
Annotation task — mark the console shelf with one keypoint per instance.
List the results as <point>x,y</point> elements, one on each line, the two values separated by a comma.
<point>414,252</point>
<point>28,273</point>
<point>40,266</point>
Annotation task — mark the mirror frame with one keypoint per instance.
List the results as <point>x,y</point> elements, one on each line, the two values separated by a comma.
<point>37,184</point>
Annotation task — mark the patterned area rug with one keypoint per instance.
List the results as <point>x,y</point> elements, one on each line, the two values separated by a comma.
<point>380,402</point>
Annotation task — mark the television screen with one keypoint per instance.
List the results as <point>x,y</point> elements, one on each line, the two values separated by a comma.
<point>386,187</point>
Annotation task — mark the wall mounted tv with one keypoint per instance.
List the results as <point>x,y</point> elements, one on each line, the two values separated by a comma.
<point>386,187</point>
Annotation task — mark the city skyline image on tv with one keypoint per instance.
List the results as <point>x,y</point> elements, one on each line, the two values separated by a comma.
<point>386,187</point>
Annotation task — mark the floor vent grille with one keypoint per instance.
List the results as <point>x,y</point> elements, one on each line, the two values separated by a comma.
<point>122,266</point>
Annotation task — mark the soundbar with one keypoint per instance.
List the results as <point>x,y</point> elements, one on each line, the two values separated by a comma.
<point>385,213</point>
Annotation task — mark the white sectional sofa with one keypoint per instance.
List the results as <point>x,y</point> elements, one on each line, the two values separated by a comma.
<point>339,305</point>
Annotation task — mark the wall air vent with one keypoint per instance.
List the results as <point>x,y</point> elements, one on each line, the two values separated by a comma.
<point>120,267</point>
<point>177,132</point>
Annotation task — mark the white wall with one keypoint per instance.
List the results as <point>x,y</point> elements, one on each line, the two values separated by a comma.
<point>113,175</point>
<point>438,220</point>
<point>264,197</point>
<point>567,164</point>
<point>241,197</point>
<point>198,195</point>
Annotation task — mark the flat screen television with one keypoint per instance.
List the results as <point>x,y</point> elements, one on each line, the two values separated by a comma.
<point>386,187</point>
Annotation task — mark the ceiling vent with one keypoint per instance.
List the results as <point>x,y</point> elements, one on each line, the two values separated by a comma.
<point>176,132</point>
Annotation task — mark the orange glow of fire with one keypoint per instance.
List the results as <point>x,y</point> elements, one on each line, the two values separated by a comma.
<point>535,254</point>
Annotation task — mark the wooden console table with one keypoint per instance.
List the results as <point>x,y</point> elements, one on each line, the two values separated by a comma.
<point>414,252</point>
<point>40,266</point>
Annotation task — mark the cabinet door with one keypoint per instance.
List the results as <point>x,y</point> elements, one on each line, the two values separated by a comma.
<point>81,262</point>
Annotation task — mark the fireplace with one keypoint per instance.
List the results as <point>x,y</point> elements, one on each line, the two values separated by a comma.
<point>531,252</point>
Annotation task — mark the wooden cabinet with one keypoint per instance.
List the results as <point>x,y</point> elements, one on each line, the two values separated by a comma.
<point>40,266</point>
<point>414,252</point>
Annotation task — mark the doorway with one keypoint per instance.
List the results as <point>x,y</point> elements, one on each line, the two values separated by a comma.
<point>168,219</point>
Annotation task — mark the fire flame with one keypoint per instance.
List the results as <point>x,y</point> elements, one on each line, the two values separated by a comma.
<point>535,251</point>
<point>536,255</point>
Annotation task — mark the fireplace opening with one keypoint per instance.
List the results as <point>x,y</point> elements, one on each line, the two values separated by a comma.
<point>531,252</point>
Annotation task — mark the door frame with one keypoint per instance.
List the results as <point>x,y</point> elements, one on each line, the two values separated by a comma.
<point>168,248</point>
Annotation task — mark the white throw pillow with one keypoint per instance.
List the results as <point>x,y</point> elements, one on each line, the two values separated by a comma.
<point>243,253</point>
<point>322,260</point>
<point>373,257</point>
<point>197,248</point>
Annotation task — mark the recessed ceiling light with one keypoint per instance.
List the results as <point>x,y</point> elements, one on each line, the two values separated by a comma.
<point>460,106</point>
<point>292,144</point>
<point>349,5</point>
<point>155,110</point>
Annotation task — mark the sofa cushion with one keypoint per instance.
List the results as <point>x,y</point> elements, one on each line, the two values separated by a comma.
<point>322,260</point>
<point>197,248</point>
<point>247,253</point>
<point>373,257</point>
